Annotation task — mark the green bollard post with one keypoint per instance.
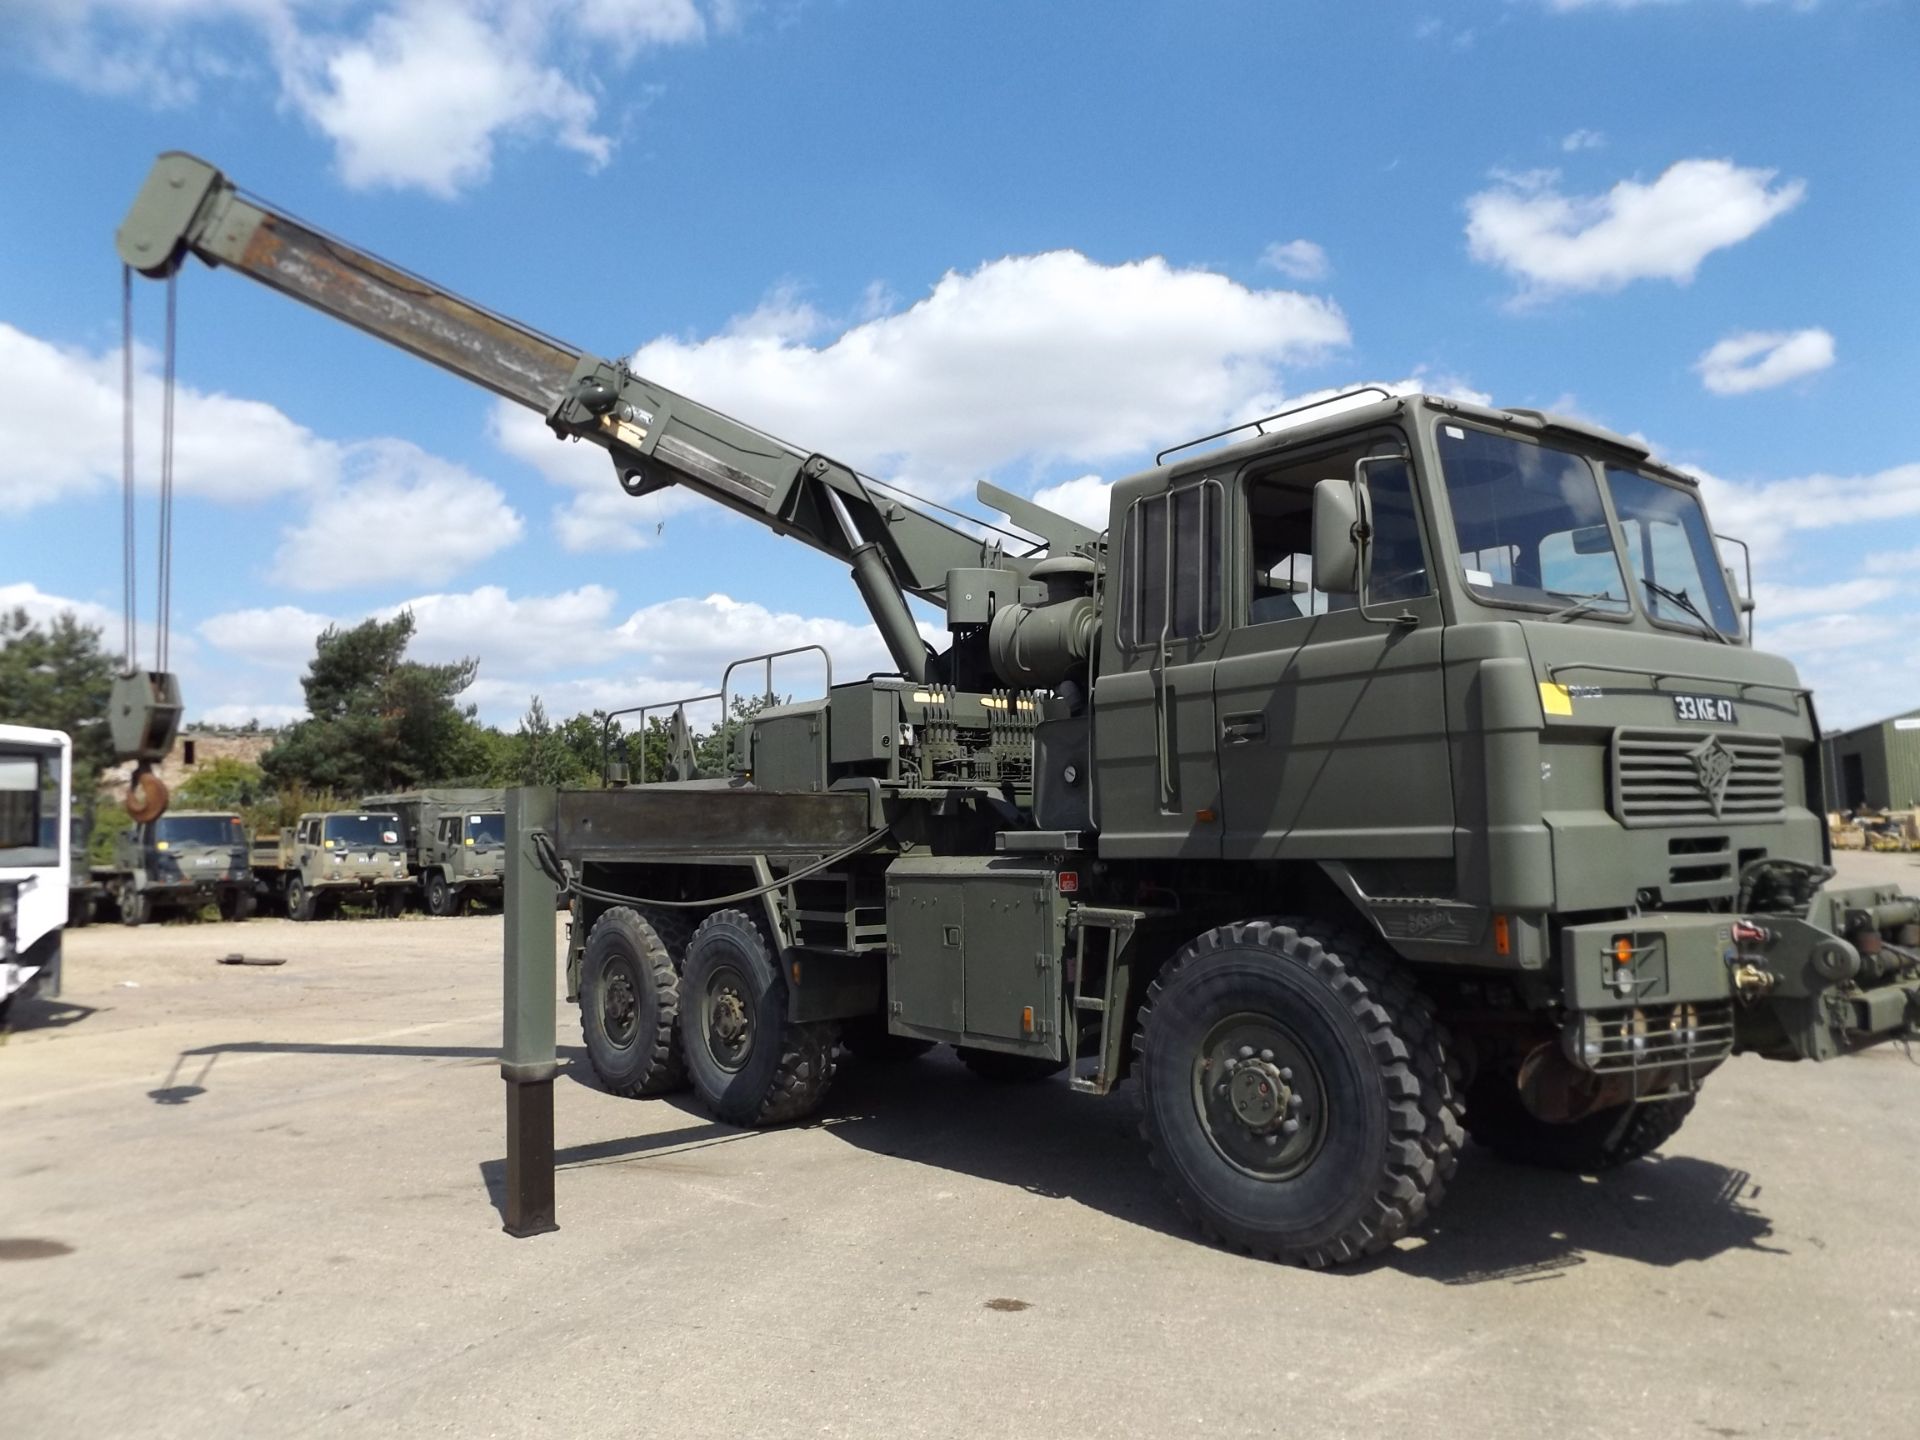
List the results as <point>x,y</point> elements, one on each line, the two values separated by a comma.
<point>527,1057</point>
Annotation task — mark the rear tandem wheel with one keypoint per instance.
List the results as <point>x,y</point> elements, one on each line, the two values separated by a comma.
<point>749,1064</point>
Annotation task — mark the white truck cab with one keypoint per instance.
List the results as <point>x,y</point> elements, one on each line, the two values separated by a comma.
<point>36,783</point>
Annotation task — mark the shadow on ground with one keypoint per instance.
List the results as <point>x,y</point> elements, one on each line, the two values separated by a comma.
<point>1500,1223</point>
<point>35,1012</point>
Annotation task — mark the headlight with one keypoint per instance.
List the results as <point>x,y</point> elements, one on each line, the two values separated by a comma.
<point>1581,1040</point>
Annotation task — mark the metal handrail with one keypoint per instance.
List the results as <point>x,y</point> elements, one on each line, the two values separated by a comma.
<point>726,679</point>
<point>1300,409</point>
<point>606,730</point>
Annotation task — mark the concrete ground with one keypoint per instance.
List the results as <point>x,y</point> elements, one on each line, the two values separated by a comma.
<point>239,1201</point>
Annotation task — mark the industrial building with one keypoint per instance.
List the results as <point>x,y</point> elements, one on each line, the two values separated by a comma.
<point>1876,767</point>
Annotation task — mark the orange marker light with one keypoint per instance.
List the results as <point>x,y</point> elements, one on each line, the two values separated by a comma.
<point>1623,950</point>
<point>796,972</point>
<point>1502,936</point>
<point>1026,1019</point>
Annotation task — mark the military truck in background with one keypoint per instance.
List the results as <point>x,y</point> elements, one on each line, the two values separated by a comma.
<point>1385,771</point>
<point>84,891</point>
<point>308,869</point>
<point>176,864</point>
<point>455,842</point>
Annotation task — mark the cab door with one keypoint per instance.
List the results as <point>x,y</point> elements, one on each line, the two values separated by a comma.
<point>1332,724</point>
<point>1156,764</point>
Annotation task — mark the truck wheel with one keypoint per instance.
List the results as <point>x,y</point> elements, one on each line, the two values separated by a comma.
<point>135,907</point>
<point>748,1062</point>
<point>442,900</point>
<point>629,1001</point>
<point>1004,1069</point>
<point>1604,1140</point>
<point>1296,1093</point>
<point>79,911</point>
<point>300,900</point>
<point>868,1038</point>
<point>234,905</point>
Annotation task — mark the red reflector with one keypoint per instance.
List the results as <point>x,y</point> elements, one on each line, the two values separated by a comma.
<point>1069,882</point>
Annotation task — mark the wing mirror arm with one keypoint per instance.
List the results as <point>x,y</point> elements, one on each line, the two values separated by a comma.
<point>1342,536</point>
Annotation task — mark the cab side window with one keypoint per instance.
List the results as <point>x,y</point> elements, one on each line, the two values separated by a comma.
<point>1280,538</point>
<point>1173,551</point>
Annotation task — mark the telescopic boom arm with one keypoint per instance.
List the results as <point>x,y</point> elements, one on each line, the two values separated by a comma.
<point>654,436</point>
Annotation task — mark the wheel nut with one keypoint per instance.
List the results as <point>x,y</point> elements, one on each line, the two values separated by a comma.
<point>1232,1065</point>
<point>1290,1126</point>
<point>1293,1103</point>
<point>1286,1072</point>
<point>1266,1054</point>
<point>1246,1052</point>
<point>1273,1140</point>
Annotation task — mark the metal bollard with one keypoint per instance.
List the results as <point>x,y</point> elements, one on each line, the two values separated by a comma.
<point>527,1058</point>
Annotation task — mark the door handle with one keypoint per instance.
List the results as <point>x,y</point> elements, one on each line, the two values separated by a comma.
<point>1241,729</point>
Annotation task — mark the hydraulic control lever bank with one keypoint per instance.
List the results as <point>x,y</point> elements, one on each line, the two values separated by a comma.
<point>1384,772</point>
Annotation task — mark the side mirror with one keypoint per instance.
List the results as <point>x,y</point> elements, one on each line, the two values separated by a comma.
<point>1338,510</point>
<point>1745,602</point>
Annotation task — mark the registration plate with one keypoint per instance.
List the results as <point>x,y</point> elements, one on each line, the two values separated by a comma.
<point>1716,709</point>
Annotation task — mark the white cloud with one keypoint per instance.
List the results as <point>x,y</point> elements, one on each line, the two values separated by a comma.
<point>1780,601</point>
<point>235,713</point>
<point>1050,358</point>
<point>400,513</point>
<point>412,93</point>
<point>42,607</point>
<point>1760,360</point>
<point>1768,514</point>
<point>421,97</point>
<point>279,635</point>
<point>1663,231</point>
<point>1297,260</point>
<point>60,414</point>
<point>1583,140</point>
<point>568,647</point>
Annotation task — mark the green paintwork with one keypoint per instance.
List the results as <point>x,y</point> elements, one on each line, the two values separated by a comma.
<point>155,864</point>
<point>1486,770</point>
<point>440,837</point>
<point>327,866</point>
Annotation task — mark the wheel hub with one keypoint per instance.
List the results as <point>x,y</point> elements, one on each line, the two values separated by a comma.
<point>729,1022</point>
<point>1257,1093</point>
<point>619,1007</point>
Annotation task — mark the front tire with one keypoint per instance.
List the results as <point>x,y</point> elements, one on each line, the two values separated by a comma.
<point>135,907</point>
<point>1297,1094</point>
<point>748,1063</point>
<point>629,1002</point>
<point>300,900</point>
<point>441,897</point>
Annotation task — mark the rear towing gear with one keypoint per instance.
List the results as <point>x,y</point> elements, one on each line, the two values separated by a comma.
<point>1498,1119</point>
<point>629,1003</point>
<point>749,1064</point>
<point>1296,1093</point>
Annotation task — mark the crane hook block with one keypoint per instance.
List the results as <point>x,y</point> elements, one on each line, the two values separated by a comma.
<point>143,714</point>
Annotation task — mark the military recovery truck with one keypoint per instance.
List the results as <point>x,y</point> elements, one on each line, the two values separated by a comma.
<point>184,860</point>
<point>1392,770</point>
<point>308,869</point>
<point>456,845</point>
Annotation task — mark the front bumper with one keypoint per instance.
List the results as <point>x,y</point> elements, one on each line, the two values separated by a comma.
<point>1692,988</point>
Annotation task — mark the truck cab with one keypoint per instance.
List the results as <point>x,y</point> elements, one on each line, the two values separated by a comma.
<point>180,862</point>
<point>326,858</point>
<point>35,798</point>
<point>456,844</point>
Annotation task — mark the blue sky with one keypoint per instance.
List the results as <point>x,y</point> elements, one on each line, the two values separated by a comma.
<point>945,242</point>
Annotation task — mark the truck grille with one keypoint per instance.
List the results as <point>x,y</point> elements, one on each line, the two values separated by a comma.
<point>1678,777</point>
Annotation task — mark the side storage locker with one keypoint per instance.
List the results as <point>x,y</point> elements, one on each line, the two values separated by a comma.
<point>974,953</point>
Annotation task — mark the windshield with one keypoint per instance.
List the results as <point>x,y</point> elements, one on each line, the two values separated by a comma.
<point>485,830</point>
<point>175,831</point>
<point>1672,550</point>
<point>361,831</point>
<point>1531,527</point>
